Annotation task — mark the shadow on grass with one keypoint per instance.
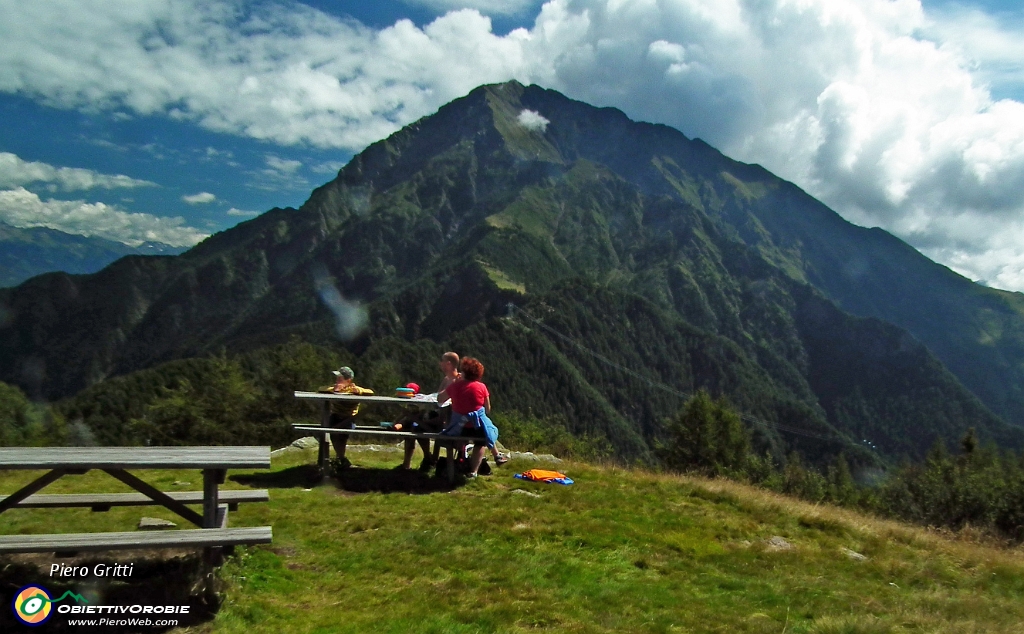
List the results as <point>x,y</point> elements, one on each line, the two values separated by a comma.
<point>354,479</point>
<point>158,578</point>
<point>302,476</point>
<point>367,480</point>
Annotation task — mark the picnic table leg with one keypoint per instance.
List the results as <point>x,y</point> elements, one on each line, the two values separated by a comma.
<point>451,461</point>
<point>323,458</point>
<point>12,500</point>
<point>157,496</point>
<point>212,479</point>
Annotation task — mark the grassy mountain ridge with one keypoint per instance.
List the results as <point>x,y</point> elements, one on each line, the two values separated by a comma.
<point>437,228</point>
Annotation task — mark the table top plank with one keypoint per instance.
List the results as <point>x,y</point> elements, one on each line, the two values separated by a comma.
<point>75,542</point>
<point>135,457</point>
<point>330,396</point>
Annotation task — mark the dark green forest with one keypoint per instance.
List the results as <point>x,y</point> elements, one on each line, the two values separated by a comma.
<point>979,487</point>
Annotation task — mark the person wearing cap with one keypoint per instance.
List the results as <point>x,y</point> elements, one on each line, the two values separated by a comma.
<point>343,413</point>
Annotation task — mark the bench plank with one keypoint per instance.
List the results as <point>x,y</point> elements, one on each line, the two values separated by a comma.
<point>376,431</point>
<point>135,457</point>
<point>62,500</point>
<point>82,542</point>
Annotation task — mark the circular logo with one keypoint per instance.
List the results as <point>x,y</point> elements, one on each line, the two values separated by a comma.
<point>32,605</point>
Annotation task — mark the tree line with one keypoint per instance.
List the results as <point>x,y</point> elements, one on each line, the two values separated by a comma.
<point>975,486</point>
<point>247,399</point>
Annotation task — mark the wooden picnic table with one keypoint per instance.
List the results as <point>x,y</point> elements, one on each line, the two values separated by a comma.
<point>116,461</point>
<point>325,428</point>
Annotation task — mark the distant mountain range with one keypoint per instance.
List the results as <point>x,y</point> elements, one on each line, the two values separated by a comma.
<point>25,253</point>
<point>635,259</point>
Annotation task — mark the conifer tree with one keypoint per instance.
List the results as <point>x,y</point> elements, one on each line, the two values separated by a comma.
<point>706,436</point>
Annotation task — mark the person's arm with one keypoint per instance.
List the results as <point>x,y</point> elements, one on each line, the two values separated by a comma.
<point>443,385</point>
<point>487,405</point>
<point>443,395</point>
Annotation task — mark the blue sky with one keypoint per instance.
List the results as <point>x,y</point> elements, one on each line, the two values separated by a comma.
<point>169,120</point>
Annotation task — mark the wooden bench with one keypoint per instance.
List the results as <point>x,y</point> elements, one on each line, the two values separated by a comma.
<point>134,540</point>
<point>115,461</point>
<point>100,502</point>
<point>448,442</point>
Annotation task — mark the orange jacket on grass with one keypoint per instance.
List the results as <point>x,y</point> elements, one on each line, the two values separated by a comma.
<point>543,475</point>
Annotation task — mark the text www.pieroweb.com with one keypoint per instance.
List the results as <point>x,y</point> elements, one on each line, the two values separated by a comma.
<point>122,616</point>
<point>123,622</point>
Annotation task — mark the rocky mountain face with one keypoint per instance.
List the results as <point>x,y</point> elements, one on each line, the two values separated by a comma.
<point>640,265</point>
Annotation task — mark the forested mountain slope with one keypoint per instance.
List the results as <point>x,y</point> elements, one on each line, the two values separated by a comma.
<point>654,251</point>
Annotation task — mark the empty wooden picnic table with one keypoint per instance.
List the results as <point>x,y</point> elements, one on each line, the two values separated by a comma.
<point>117,461</point>
<point>325,428</point>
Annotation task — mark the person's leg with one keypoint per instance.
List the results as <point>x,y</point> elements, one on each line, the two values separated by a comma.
<point>456,428</point>
<point>424,447</point>
<point>491,433</point>
<point>445,420</point>
<point>427,461</point>
<point>340,441</point>
<point>478,458</point>
<point>410,446</point>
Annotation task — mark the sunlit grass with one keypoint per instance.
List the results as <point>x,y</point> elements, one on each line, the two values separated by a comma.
<point>619,551</point>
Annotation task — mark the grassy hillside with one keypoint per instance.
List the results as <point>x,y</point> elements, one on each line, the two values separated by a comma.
<point>618,551</point>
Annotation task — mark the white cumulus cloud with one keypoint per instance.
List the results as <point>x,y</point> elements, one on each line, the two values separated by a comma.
<point>276,71</point>
<point>22,208</point>
<point>532,120</point>
<point>16,172</point>
<point>879,108</point>
<point>282,166</point>
<point>279,175</point>
<point>329,167</point>
<point>202,198</point>
<point>241,212</point>
<point>502,7</point>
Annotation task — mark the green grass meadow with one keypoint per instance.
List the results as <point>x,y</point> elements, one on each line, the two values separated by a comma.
<point>619,551</point>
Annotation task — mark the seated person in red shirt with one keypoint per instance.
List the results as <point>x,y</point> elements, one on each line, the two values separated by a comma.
<point>471,403</point>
